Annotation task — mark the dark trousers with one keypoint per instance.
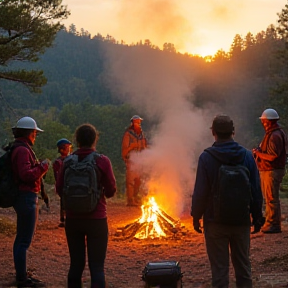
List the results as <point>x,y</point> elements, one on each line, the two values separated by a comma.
<point>94,234</point>
<point>133,183</point>
<point>26,208</point>
<point>62,211</point>
<point>219,238</point>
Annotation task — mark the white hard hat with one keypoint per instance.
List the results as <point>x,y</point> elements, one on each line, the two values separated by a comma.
<point>269,114</point>
<point>135,117</point>
<point>27,123</point>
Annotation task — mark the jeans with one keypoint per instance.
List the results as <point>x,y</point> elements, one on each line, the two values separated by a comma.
<point>94,232</point>
<point>219,238</point>
<point>26,208</point>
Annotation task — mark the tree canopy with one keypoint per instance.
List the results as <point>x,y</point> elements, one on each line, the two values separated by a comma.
<point>27,28</point>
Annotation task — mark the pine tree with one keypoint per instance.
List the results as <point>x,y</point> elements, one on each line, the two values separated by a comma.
<point>27,28</point>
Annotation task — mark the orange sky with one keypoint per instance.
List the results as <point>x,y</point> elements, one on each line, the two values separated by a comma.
<point>193,26</point>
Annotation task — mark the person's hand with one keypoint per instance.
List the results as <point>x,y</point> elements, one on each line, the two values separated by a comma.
<point>255,152</point>
<point>46,161</point>
<point>45,164</point>
<point>258,224</point>
<point>47,202</point>
<point>196,225</point>
<point>256,229</point>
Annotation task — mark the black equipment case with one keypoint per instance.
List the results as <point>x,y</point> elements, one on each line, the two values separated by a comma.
<point>164,274</point>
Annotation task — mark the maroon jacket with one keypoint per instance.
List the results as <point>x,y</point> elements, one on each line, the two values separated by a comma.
<point>273,143</point>
<point>108,182</point>
<point>57,166</point>
<point>27,170</point>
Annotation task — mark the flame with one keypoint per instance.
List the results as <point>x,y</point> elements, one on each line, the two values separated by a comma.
<point>152,228</point>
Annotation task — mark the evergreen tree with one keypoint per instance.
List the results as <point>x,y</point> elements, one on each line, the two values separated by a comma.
<point>236,47</point>
<point>27,28</point>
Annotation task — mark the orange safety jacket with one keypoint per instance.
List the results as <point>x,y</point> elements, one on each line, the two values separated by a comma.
<point>132,142</point>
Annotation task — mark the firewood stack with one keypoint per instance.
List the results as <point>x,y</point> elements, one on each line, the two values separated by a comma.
<point>154,224</point>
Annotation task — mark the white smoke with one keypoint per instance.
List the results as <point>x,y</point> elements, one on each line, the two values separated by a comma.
<point>157,85</point>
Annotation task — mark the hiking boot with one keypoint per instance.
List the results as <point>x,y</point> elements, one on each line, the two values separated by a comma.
<point>271,229</point>
<point>30,282</point>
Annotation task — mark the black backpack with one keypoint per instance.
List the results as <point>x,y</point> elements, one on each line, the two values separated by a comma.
<point>163,274</point>
<point>81,191</point>
<point>232,197</point>
<point>8,187</point>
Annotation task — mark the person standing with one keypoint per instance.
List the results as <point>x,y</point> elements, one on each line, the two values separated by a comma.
<point>133,142</point>
<point>64,148</point>
<point>89,228</point>
<point>28,173</point>
<point>270,157</point>
<point>220,236</point>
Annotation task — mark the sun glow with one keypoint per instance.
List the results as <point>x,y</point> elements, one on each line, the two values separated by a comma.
<point>202,51</point>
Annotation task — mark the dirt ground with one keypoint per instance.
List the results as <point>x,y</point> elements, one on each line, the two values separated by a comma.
<point>48,256</point>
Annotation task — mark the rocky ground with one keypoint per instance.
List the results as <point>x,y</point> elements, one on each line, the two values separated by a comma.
<point>48,256</point>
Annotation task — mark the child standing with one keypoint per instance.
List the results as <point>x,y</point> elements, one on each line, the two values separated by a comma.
<point>64,148</point>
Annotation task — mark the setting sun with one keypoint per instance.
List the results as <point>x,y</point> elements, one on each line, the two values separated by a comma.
<point>202,51</point>
<point>195,27</point>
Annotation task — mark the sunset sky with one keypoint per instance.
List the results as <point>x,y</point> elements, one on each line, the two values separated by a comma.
<point>193,26</point>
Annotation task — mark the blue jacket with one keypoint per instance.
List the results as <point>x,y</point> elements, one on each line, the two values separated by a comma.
<point>229,152</point>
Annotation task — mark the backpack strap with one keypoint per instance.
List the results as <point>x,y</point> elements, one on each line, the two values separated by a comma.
<point>98,171</point>
<point>94,155</point>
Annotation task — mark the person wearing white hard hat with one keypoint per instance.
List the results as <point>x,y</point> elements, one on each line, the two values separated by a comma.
<point>270,157</point>
<point>28,173</point>
<point>133,142</point>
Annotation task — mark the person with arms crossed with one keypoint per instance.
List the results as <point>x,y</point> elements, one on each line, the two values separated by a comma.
<point>133,142</point>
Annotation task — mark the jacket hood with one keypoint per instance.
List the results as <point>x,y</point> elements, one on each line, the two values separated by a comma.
<point>227,152</point>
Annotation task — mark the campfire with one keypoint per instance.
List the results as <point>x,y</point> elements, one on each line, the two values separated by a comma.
<point>154,223</point>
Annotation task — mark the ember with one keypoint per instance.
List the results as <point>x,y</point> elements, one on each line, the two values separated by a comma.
<point>154,223</point>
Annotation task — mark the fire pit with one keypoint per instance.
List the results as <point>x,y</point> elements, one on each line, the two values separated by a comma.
<point>154,223</point>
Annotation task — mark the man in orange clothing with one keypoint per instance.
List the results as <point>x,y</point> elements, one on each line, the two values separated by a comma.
<point>133,142</point>
<point>271,159</point>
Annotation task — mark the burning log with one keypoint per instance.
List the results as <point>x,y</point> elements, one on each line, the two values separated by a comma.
<point>154,223</point>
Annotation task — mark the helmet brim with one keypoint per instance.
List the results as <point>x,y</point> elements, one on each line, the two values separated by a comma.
<point>37,128</point>
<point>271,118</point>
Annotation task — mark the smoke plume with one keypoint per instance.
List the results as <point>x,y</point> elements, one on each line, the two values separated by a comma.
<point>157,87</point>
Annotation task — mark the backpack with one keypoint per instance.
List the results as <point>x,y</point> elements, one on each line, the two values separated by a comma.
<point>8,186</point>
<point>81,190</point>
<point>162,274</point>
<point>232,197</point>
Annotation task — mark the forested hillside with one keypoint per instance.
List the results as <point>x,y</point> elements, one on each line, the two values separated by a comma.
<point>83,85</point>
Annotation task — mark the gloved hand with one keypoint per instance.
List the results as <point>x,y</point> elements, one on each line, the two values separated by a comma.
<point>258,224</point>
<point>196,225</point>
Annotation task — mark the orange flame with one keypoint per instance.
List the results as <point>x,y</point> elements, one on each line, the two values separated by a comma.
<point>149,216</point>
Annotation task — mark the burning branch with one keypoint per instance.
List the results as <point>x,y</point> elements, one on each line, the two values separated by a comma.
<point>154,223</point>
